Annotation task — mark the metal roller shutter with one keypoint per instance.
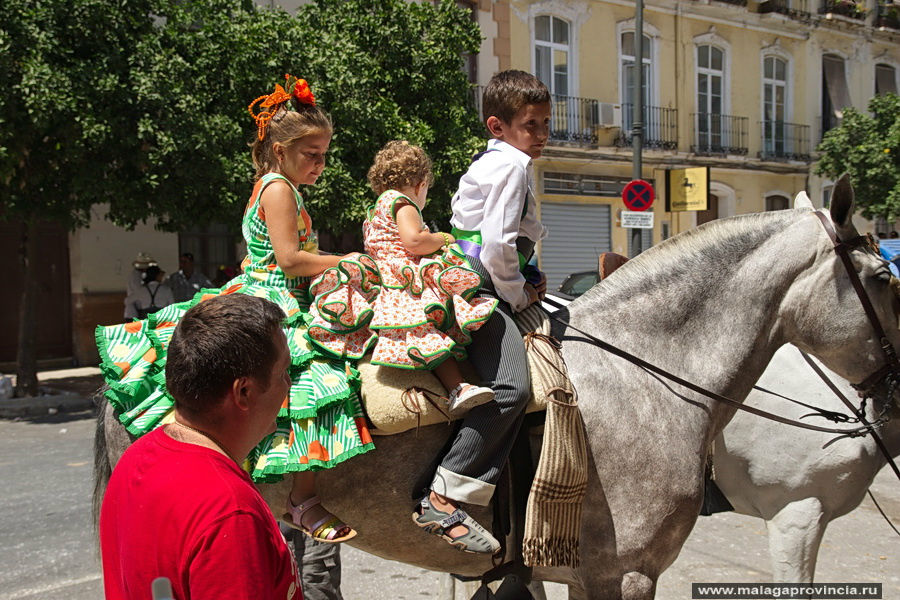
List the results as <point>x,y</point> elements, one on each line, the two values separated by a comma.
<point>578,234</point>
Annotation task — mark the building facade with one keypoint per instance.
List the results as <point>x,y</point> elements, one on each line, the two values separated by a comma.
<point>746,89</point>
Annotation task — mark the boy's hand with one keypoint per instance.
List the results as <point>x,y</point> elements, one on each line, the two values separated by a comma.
<point>541,286</point>
<point>533,295</point>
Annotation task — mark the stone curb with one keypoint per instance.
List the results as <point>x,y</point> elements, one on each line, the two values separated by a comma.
<point>44,405</point>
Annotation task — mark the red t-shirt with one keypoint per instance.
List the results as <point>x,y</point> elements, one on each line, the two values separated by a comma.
<point>189,513</point>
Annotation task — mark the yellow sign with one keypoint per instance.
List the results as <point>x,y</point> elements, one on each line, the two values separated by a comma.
<point>687,189</point>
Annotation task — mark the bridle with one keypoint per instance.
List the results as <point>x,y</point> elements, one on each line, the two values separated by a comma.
<point>888,376</point>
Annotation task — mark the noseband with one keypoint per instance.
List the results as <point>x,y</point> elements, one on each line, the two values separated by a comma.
<point>889,374</point>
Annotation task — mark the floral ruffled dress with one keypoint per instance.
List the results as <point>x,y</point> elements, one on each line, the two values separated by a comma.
<point>320,423</point>
<point>422,311</point>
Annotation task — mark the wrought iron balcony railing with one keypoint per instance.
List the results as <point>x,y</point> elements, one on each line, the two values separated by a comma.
<point>888,15</point>
<point>660,127</point>
<point>719,134</point>
<point>784,141</point>
<point>853,9</point>
<point>796,9</point>
<point>574,120</point>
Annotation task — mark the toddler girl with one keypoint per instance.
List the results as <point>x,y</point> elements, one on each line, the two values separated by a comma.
<point>426,308</point>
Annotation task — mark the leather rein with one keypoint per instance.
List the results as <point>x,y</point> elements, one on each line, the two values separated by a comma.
<point>888,374</point>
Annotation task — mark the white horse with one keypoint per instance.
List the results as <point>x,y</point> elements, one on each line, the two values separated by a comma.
<point>783,475</point>
<point>711,305</point>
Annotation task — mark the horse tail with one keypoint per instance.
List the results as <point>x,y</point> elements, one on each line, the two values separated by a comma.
<point>102,466</point>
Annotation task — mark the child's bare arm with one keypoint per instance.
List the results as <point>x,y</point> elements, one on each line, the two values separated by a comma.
<point>416,239</point>
<point>281,218</point>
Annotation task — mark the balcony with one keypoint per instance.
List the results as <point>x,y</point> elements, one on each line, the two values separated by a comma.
<point>784,141</point>
<point>795,9</point>
<point>852,9</point>
<point>660,127</point>
<point>719,134</point>
<point>888,15</point>
<point>574,120</point>
<point>738,2</point>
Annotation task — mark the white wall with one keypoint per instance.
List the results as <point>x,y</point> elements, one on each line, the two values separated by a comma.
<point>100,255</point>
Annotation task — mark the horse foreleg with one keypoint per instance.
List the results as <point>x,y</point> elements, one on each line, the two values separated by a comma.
<point>795,533</point>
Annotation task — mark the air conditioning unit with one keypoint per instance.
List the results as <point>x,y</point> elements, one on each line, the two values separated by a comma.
<point>606,114</point>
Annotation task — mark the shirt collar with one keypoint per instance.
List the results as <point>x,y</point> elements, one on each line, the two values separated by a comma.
<point>515,153</point>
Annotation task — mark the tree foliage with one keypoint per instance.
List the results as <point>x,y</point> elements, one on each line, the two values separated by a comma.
<point>142,104</point>
<point>389,69</point>
<point>868,148</point>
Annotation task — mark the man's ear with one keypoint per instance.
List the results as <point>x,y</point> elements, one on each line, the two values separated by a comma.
<point>241,392</point>
<point>495,126</point>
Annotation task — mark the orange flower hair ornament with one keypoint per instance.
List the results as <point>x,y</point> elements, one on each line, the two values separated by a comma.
<point>271,103</point>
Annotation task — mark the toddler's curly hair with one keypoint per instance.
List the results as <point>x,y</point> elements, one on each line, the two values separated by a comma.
<point>399,164</point>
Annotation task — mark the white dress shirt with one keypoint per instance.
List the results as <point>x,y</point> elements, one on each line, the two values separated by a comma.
<point>490,200</point>
<point>140,298</point>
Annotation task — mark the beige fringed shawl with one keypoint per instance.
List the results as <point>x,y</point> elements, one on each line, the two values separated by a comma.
<point>553,514</point>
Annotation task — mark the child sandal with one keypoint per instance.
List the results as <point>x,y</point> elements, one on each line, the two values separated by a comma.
<point>475,541</point>
<point>326,529</point>
<point>466,396</point>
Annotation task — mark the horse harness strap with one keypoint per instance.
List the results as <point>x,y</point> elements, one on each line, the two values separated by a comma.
<point>891,368</point>
<point>861,416</point>
<point>859,412</point>
<point>855,432</point>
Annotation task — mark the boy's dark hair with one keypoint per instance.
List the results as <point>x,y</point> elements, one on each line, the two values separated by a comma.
<point>216,342</point>
<point>508,91</point>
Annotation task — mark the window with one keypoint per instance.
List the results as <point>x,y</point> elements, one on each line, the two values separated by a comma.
<point>551,53</point>
<point>774,105</point>
<point>885,80</point>
<point>710,79</point>
<point>573,184</point>
<point>777,202</point>
<point>628,81</point>
<point>826,196</point>
<point>835,94</point>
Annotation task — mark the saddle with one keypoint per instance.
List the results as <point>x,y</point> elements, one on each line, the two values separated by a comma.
<point>549,535</point>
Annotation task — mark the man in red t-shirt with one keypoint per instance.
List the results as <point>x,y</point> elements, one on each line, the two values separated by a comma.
<point>178,505</point>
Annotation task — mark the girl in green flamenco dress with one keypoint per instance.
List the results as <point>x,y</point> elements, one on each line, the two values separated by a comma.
<point>320,423</point>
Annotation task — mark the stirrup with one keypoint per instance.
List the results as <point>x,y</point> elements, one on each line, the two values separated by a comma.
<point>475,541</point>
<point>324,530</point>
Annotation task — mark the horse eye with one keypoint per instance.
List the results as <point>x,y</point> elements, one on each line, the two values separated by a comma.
<point>883,273</point>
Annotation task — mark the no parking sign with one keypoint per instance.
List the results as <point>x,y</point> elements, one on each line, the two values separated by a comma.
<point>638,195</point>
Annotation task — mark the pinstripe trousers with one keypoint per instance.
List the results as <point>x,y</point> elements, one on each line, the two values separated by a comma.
<point>472,466</point>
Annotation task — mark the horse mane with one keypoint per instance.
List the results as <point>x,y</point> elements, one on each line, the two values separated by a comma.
<point>714,249</point>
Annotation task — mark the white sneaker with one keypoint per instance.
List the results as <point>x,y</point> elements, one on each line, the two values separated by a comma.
<point>466,396</point>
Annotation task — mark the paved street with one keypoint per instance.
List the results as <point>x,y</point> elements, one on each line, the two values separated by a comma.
<point>47,548</point>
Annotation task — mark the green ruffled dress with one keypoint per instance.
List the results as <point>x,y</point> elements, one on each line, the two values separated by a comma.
<point>321,422</point>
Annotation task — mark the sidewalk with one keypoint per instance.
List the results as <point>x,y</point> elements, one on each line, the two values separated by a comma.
<point>63,390</point>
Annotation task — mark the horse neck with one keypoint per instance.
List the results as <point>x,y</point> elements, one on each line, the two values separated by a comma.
<point>707,310</point>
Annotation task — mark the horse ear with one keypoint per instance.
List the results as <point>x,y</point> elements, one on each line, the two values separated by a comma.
<point>842,205</point>
<point>802,201</point>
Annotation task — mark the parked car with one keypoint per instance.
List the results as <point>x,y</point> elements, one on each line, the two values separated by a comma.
<point>578,283</point>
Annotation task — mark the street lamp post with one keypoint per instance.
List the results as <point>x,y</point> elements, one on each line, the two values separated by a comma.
<point>637,126</point>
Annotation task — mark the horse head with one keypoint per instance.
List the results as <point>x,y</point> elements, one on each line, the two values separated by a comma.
<point>847,338</point>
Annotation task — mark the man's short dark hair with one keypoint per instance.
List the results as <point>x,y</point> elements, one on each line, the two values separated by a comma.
<point>187,255</point>
<point>508,91</point>
<point>216,342</point>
